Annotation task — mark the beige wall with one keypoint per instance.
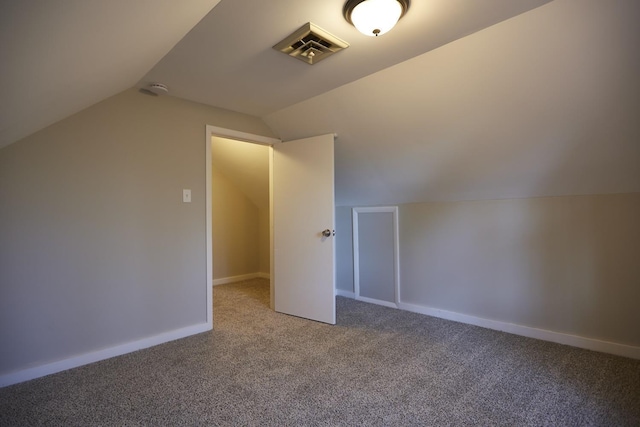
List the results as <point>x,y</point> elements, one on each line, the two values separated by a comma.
<point>236,230</point>
<point>265,241</point>
<point>562,264</point>
<point>240,208</point>
<point>97,247</point>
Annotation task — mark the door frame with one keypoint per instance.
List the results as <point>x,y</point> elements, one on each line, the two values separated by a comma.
<point>396,254</point>
<point>210,132</point>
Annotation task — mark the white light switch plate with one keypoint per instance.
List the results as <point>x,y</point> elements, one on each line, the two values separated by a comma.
<point>186,196</point>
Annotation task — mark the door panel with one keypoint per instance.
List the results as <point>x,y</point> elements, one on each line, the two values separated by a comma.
<point>303,206</point>
<point>376,277</point>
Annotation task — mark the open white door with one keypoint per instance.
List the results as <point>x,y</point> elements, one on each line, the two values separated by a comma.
<point>303,207</point>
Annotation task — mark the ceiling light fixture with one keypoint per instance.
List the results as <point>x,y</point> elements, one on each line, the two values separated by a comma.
<point>374,17</point>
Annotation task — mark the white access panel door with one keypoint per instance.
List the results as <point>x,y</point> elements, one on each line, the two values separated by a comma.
<point>303,207</point>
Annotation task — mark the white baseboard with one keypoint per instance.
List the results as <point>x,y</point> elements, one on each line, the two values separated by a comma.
<point>377,302</point>
<point>95,356</point>
<point>240,278</point>
<point>352,295</point>
<point>346,294</point>
<point>541,334</point>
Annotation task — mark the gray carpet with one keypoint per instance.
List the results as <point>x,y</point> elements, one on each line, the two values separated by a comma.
<point>377,367</point>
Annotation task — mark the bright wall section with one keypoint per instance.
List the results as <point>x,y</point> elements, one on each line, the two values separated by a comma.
<point>236,230</point>
<point>240,204</point>
<point>99,255</point>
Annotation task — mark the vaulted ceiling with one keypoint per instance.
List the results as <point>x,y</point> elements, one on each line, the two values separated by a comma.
<point>58,57</point>
<point>462,100</point>
<point>227,60</point>
<point>544,104</point>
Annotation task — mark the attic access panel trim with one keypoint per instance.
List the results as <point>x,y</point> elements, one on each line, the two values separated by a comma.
<point>311,44</point>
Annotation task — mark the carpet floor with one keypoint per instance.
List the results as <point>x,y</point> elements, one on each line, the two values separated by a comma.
<point>376,367</point>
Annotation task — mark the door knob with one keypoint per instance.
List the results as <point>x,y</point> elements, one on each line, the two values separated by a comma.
<point>328,233</point>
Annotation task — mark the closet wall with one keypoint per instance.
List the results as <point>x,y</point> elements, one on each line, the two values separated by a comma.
<point>240,187</point>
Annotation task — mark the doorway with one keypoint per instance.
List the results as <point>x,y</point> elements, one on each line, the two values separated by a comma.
<point>240,192</point>
<point>300,229</point>
<point>236,137</point>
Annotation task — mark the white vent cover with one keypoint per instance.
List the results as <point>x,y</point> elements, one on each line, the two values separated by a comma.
<point>311,44</point>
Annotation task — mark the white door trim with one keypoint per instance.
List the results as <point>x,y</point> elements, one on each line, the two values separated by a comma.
<point>396,254</point>
<point>272,250</point>
<point>210,132</point>
<point>241,136</point>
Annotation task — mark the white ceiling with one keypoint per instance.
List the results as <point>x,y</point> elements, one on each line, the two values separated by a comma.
<point>463,100</point>
<point>58,57</point>
<point>227,60</point>
<point>544,104</point>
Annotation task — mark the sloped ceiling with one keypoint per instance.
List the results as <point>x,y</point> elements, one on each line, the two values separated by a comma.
<point>246,165</point>
<point>544,104</point>
<point>227,60</point>
<point>463,100</point>
<point>58,57</point>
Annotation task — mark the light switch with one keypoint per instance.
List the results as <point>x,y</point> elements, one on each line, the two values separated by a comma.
<point>186,196</point>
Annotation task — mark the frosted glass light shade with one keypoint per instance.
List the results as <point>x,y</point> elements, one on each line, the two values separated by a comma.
<point>376,17</point>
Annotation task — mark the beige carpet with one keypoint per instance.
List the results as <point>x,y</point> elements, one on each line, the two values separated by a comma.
<point>377,367</point>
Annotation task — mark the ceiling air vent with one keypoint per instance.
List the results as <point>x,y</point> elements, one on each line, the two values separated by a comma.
<point>311,44</point>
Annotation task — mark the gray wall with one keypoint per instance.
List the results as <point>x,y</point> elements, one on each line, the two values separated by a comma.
<point>376,245</point>
<point>97,248</point>
<point>344,249</point>
<point>564,264</point>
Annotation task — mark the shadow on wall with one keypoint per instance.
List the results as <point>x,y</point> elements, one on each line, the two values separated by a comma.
<point>585,274</point>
